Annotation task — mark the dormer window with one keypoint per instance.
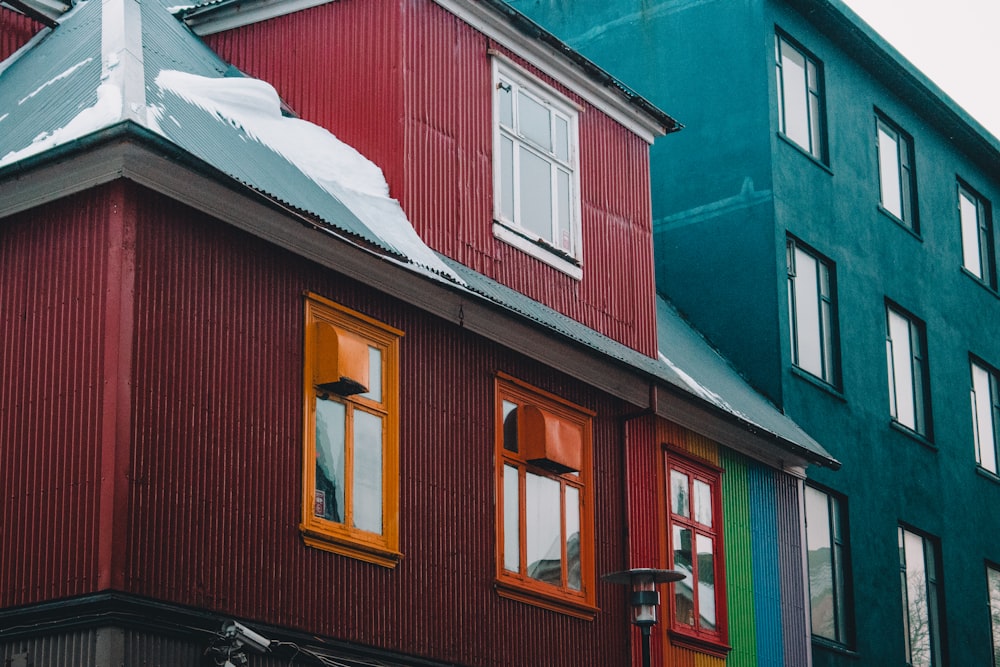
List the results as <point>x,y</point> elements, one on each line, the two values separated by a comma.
<point>536,202</point>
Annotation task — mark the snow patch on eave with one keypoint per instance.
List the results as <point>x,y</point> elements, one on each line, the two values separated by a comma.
<point>702,391</point>
<point>106,112</point>
<point>253,107</point>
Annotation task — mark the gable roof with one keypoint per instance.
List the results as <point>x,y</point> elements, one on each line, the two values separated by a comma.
<point>127,69</point>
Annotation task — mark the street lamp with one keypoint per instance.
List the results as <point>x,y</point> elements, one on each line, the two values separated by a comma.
<point>645,599</point>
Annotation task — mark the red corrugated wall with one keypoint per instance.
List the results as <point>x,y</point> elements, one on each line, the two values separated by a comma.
<point>408,84</point>
<point>216,469</point>
<point>15,31</point>
<point>53,329</point>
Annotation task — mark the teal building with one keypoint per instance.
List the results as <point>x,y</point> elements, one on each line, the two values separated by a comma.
<point>826,220</point>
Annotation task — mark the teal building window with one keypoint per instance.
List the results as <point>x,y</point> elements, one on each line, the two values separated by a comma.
<point>921,613</point>
<point>812,312</point>
<point>897,185</point>
<point>906,353</point>
<point>977,235</point>
<point>826,549</point>
<point>985,415</point>
<point>800,97</point>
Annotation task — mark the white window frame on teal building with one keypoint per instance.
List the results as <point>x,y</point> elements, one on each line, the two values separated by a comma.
<point>801,105</point>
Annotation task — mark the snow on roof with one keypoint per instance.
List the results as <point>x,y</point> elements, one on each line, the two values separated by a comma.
<point>234,123</point>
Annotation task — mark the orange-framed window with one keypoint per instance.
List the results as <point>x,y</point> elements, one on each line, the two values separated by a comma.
<point>545,526</point>
<point>697,609</point>
<point>350,461</point>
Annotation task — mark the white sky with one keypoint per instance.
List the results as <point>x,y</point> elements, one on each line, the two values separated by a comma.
<point>956,43</point>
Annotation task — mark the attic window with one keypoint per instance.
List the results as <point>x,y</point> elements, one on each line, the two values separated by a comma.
<point>536,173</point>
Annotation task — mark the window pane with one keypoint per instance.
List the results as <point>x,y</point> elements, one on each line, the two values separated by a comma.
<point>505,100</point>
<point>969,213</point>
<point>562,139</point>
<point>684,589</point>
<point>917,601</point>
<point>888,161</point>
<point>982,412</point>
<point>563,234</point>
<point>511,519</point>
<point>993,580</point>
<point>536,195</point>
<point>807,315</point>
<point>506,178</point>
<point>510,427</point>
<point>328,502</point>
<point>819,549</point>
<point>794,93</point>
<point>679,503</point>
<point>902,372</point>
<point>367,501</point>
<point>706,582</point>
<point>534,123</point>
<point>374,374</point>
<point>702,503</point>
<point>573,537</point>
<point>544,531</point>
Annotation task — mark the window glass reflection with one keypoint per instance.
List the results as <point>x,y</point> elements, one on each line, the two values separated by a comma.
<point>706,582</point>
<point>543,528</point>
<point>328,502</point>
<point>679,503</point>
<point>511,519</point>
<point>367,472</point>
<point>683,589</point>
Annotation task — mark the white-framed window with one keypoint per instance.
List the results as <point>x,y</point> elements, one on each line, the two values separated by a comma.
<point>897,186</point>
<point>985,415</point>
<point>906,353</point>
<point>826,550</point>
<point>536,174</point>
<point>800,97</point>
<point>921,612</point>
<point>812,312</point>
<point>977,235</point>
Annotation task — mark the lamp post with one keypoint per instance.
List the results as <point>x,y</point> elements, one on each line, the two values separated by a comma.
<point>645,598</point>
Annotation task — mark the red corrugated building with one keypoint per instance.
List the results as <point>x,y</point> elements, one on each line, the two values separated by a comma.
<point>237,385</point>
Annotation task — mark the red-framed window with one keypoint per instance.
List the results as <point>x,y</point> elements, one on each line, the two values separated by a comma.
<point>697,608</point>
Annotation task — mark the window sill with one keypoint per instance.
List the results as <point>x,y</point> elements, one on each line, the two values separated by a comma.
<point>906,430</point>
<point>979,281</point>
<point>983,472</point>
<point>912,229</point>
<point>713,647</point>
<point>539,250</point>
<point>812,158</point>
<point>345,546</point>
<point>834,647</point>
<point>576,607</point>
<point>818,383</point>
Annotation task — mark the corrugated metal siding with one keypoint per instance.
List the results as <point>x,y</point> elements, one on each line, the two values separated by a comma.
<point>767,581</point>
<point>740,584</point>
<point>217,463</point>
<point>408,84</point>
<point>790,550</point>
<point>52,296</point>
<point>15,31</point>
<point>70,649</point>
<point>698,445</point>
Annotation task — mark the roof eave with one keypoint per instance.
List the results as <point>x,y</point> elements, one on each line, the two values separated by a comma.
<point>499,22</point>
<point>885,63</point>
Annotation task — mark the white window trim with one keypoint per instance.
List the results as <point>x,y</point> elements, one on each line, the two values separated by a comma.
<point>508,231</point>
